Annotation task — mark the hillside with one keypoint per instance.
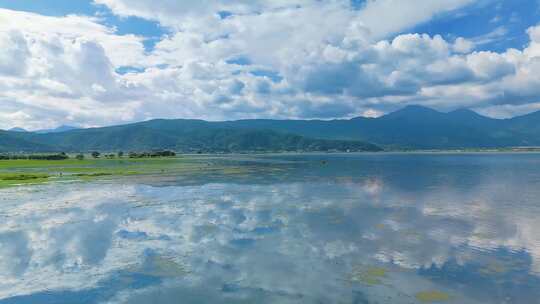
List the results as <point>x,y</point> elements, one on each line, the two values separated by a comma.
<point>413,127</point>
<point>183,136</point>
<point>62,128</point>
<point>11,143</point>
<point>416,127</point>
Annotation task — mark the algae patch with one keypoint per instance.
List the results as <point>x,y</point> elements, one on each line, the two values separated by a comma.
<point>160,266</point>
<point>98,174</point>
<point>369,276</point>
<point>432,296</point>
<point>502,266</point>
<point>494,268</point>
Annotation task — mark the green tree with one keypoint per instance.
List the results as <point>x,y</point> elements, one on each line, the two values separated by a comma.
<point>80,156</point>
<point>96,154</point>
<point>120,154</point>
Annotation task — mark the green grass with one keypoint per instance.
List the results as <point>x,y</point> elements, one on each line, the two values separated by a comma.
<point>24,172</point>
<point>13,179</point>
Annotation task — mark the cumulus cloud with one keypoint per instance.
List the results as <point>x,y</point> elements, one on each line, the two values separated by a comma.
<point>14,56</point>
<point>248,59</point>
<point>388,16</point>
<point>62,69</point>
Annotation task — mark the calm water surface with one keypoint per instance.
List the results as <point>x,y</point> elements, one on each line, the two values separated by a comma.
<point>381,228</point>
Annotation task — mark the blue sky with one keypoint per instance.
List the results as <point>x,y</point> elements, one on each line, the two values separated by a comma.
<point>263,58</point>
<point>473,21</point>
<point>509,17</point>
<point>124,25</point>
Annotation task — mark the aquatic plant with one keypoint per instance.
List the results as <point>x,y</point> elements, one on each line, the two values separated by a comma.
<point>432,296</point>
<point>370,276</point>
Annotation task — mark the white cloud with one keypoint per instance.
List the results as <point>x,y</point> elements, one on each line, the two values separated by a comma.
<point>381,17</point>
<point>121,49</point>
<point>495,35</point>
<point>462,45</point>
<point>390,16</point>
<point>50,68</point>
<point>14,54</point>
<point>301,59</point>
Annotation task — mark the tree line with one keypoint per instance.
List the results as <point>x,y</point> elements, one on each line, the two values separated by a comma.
<point>81,156</point>
<point>59,156</point>
<point>153,154</point>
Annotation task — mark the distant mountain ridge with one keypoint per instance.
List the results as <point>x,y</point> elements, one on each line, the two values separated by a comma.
<point>417,127</point>
<point>413,127</point>
<point>62,128</point>
<point>17,129</point>
<point>191,137</point>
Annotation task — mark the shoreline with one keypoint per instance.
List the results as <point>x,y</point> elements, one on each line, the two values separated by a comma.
<point>255,153</point>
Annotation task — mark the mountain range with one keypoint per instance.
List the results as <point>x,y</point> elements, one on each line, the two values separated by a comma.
<point>59,129</point>
<point>190,136</point>
<point>413,127</point>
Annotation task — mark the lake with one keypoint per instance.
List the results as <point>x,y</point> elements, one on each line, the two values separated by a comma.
<point>351,228</point>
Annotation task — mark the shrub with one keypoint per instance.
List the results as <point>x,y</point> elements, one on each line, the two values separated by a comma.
<point>154,154</point>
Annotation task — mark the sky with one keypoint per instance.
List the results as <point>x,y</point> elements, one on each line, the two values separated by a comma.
<point>105,62</point>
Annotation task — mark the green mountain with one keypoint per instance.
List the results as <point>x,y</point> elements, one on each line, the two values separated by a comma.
<point>9,142</point>
<point>59,129</point>
<point>178,135</point>
<point>17,129</point>
<point>413,127</point>
<point>416,127</point>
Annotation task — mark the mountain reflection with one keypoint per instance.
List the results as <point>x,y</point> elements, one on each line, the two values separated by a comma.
<point>354,230</point>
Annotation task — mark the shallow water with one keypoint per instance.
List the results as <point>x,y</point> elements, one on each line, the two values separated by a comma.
<point>369,228</point>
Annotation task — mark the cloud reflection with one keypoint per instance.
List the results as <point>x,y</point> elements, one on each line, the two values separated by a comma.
<point>297,242</point>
